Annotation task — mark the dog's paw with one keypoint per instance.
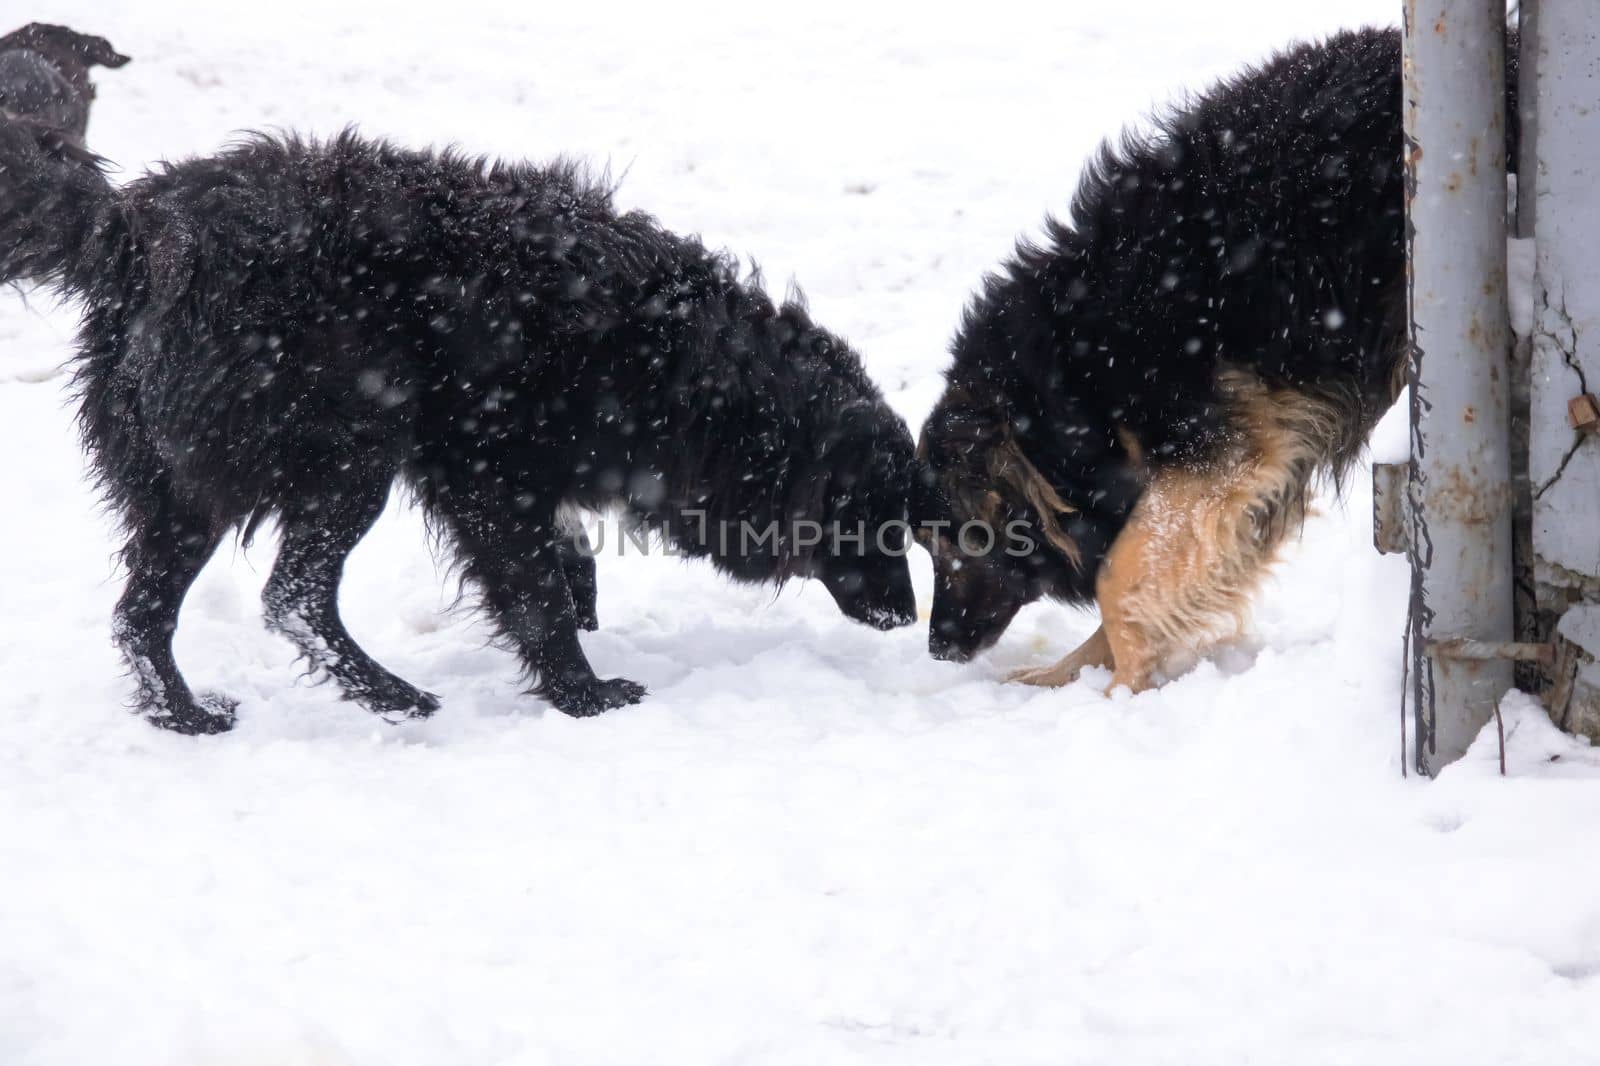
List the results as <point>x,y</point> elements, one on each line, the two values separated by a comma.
<point>594,696</point>
<point>210,714</point>
<point>1029,676</point>
<point>395,701</point>
<point>423,706</point>
<point>1053,676</point>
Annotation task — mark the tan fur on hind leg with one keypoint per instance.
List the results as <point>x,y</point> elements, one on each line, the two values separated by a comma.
<point>1096,651</point>
<point>1181,572</point>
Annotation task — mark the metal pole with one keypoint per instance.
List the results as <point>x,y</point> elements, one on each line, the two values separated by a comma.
<point>1456,289</point>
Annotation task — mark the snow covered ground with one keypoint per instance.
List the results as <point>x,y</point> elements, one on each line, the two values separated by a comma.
<point>812,844</point>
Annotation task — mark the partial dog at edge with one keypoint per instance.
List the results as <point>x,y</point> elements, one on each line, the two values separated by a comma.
<point>1152,390</point>
<point>44,75</point>
<point>286,328</point>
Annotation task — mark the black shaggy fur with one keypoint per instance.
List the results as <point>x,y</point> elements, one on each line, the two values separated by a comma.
<point>1259,227</point>
<point>44,74</point>
<point>285,328</point>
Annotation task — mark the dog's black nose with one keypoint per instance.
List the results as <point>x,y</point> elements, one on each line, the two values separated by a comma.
<point>894,619</point>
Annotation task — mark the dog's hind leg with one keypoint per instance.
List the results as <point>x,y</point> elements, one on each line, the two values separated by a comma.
<point>1181,572</point>
<point>166,552</point>
<point>302,599</point>
<point>515,558</point>
<point>1152,569</point>
<point>1094,652</point>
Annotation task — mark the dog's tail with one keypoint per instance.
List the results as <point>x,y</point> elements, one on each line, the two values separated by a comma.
<point>60,218</point>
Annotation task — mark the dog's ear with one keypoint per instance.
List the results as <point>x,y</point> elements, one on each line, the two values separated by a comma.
<point>1008,466</point>
<point>98,50</point>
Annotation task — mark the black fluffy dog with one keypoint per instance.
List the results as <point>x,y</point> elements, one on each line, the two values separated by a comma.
<point>44,74</point>
<point>283,329</point>
<point>1151,390</point>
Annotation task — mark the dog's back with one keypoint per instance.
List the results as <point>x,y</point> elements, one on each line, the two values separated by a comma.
<point>1259,227</point>
<point>271,342</point>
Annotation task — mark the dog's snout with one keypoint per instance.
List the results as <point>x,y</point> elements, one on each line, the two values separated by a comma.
<point>946,650</point>
<point>895,619</point>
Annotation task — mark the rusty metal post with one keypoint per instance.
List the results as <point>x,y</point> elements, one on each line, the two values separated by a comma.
<point>1459,476</point>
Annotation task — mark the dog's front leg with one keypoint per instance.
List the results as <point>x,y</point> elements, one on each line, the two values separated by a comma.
<point>577,560</point>
<point>546,621</point>
<point>520,564</point>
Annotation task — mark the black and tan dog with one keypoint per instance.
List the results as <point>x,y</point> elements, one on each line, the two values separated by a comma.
<point>1151,390</point>
<point>285,329</point>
